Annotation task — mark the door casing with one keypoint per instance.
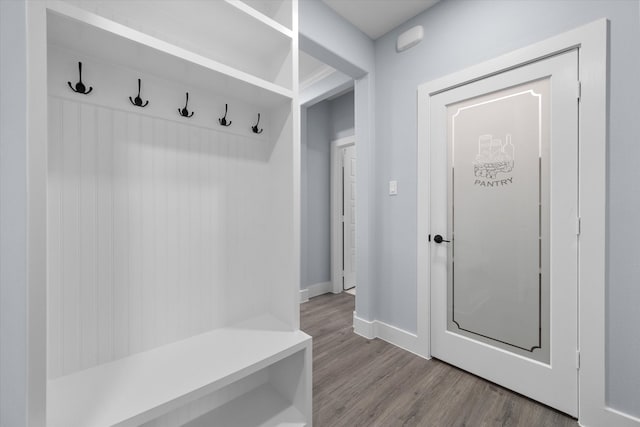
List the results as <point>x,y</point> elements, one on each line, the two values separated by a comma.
<point>349,219</point>
<point>591,41</point>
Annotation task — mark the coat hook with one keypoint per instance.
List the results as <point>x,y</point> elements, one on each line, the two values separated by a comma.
<point>80,87</point>
<point>183,111</point>
<point>254,128</point>
<point>138,101</point>
<point>223,121</point>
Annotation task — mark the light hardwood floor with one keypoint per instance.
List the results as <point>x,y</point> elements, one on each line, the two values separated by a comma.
<point>360,382</point>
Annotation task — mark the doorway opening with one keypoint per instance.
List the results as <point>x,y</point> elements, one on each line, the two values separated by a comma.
<point>343,216</point>
<point>327,118</point>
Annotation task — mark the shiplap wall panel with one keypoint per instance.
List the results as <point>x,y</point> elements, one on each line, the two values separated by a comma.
<point>87,288</point>
<point>105,248</point>
<point>54,247</point>
<point>70,237</point>
<point>120,237</point>
<point>156,232</point>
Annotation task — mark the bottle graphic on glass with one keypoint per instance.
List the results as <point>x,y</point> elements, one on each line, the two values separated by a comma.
<point>493,156</point>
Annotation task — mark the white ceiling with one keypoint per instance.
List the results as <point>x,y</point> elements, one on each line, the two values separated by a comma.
<point>377,17</point>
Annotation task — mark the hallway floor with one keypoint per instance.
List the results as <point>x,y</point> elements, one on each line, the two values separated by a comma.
<point>360,382</point>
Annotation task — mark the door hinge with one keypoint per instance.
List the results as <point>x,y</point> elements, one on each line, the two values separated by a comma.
<point>579,90</point>
<point>578,226</point>
<point>577,359</point>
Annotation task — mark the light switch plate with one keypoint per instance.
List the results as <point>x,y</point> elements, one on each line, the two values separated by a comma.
<point>393,188</point>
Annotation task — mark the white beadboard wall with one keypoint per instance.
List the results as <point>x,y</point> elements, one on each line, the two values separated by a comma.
<point>158,229</point>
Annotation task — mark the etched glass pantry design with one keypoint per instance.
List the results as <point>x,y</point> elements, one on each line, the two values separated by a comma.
<point>498,286</point>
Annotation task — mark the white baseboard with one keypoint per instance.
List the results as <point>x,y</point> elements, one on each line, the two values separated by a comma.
<point>391,334</point>
<point>304,295</point>
<point>363,327</point>
<point>315,290</point>
<point>398,337</point>
<point>623,419</point>
<point>610,417</point>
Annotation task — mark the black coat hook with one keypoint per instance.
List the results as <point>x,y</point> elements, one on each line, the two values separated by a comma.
<point>138,101</point>
<point>254,128</point>
<point>183,111</point>
<point>223,121</point>
<point>80,87</point>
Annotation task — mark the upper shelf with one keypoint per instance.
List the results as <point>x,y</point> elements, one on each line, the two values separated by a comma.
<point>274,13</point>
<point>95,35</point>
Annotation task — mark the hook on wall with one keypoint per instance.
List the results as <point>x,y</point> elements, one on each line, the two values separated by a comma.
<point>80,87</point>
<point>254,128</point>
<point>138,101</point>
<point>183,111</point>
<point>223,121</point>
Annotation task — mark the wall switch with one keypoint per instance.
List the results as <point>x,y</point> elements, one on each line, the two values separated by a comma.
<point>393,188</point>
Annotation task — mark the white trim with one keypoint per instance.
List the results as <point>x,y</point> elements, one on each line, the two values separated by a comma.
<point>336,196</point>
<point>613,417</point>
<point>304,295</point>
<point>396,336</point>
<point>319,289</point>
<point>36,190</point>
<point>314,290</point>
<point>591,39</point>
<point>362,327</point>
<point>325,88</point>
<point>620,419</point>
<point>376,329</point>
<point>320,74</point>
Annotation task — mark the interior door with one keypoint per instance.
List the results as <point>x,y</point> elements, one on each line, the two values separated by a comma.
<point>349,216</point>
<point>503,243</point>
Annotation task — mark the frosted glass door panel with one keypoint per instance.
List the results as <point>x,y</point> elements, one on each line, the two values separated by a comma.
<point>498,286</point>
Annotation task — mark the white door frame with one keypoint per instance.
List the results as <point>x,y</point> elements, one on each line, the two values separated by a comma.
<point>591,40</point>
<point>336,213</point>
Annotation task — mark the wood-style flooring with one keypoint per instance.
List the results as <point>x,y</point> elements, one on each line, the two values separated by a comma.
<point>360,382</point>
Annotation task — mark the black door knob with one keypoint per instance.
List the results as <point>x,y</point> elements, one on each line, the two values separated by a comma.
<point>438,239</point>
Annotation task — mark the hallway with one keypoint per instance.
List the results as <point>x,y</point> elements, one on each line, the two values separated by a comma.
<point>360,382</point>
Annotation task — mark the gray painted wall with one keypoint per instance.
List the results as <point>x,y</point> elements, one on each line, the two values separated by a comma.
<point>322,123</point>
<point>342,116</point>
<point>333,40</point>
<point>315,220</point>
<point>459,34</point>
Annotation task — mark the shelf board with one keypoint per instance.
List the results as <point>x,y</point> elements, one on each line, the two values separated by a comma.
<point>93,35</point>
<point>144,386</point>
<point>277,10</point>
<point>261,407</point>
<point>256,14</point>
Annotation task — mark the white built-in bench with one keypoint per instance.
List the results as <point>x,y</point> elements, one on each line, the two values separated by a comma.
<point>148,385</point>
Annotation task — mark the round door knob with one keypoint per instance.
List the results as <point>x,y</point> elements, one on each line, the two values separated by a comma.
<point>439,239</point>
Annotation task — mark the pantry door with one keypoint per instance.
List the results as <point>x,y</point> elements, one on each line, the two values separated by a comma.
<point>503,244</point>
